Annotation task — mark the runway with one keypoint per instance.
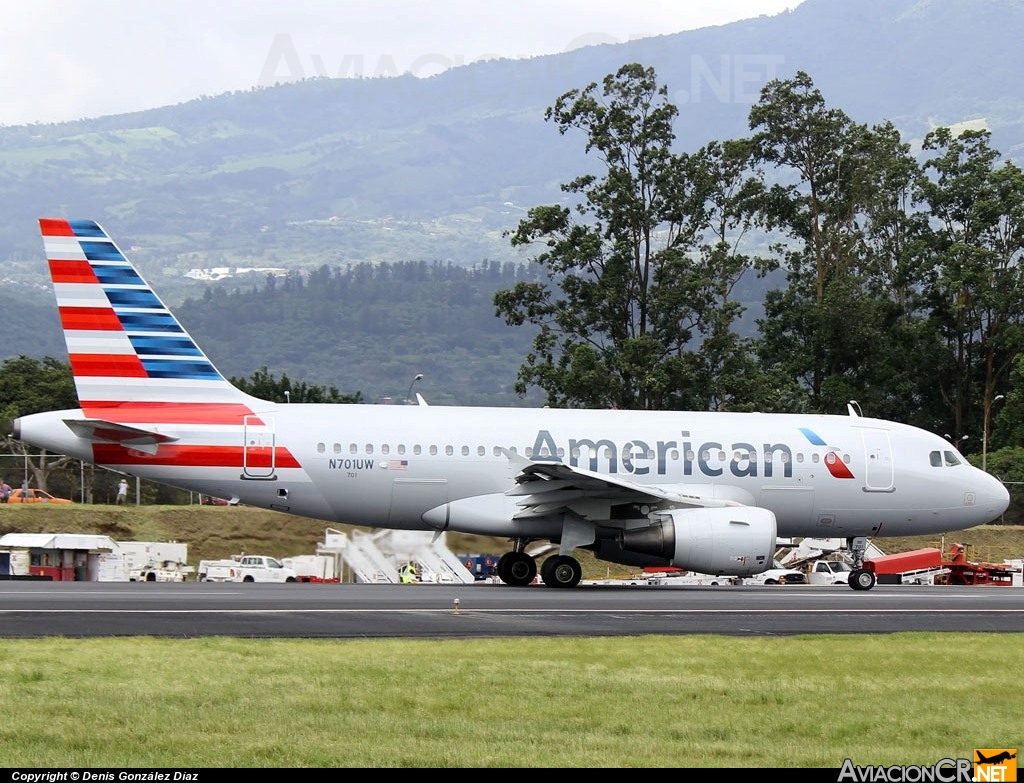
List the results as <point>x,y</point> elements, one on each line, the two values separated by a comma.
<point>30,609</point>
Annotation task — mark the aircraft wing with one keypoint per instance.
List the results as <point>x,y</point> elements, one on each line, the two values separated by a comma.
<point>548,486</point>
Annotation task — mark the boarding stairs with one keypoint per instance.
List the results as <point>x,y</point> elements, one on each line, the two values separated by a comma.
<point>377,557</point>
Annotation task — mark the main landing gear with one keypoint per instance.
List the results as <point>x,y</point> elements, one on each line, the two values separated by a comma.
<point>519,569</point>
<point>861,578</point>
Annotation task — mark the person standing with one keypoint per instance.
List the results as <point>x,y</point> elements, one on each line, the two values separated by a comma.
<point>5,491</point>
<point>408,574</point>
<point>122,492</point>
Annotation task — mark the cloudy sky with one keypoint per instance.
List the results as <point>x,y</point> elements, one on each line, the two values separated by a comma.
<point>67,59</point>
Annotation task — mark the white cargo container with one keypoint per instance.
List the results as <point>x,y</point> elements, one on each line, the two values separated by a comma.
<point>313,568</point>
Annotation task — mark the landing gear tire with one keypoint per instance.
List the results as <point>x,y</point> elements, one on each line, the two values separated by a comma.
<point>862,579</point>
<point>561,571</point>
<point>517,569</point>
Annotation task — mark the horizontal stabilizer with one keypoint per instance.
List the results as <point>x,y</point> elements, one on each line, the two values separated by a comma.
<point>101,431</point>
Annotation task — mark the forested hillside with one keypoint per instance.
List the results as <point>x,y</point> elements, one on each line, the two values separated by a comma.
<point>398,169</point>
<point>370,329</point>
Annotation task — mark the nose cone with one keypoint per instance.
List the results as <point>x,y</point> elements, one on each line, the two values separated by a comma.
<point>995,495</point>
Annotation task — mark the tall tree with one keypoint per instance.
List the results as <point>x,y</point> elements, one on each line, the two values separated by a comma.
<point>891,368</point>
<point>849,317</point>
<point>624,301</point>
<point>734,197</point>
<point>975,281</point>
<point>816,146</point>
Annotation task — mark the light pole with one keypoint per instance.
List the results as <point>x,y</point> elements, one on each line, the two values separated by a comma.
<point>956,443</point>
<point>984,431</point>
<point>408,394</point>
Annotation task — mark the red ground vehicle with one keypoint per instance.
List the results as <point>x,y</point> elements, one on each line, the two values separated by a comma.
<point>209,500</point>
<point>965,572</point>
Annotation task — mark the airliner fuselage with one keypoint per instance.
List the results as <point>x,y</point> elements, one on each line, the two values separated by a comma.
<point>708,492</point>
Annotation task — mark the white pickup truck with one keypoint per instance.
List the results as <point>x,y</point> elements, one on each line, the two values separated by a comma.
<point>778,574</point>
<point>829,572</point>
<point>246,568</point>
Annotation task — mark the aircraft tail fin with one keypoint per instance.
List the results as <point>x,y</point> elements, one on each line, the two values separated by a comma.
<point>130,357</point>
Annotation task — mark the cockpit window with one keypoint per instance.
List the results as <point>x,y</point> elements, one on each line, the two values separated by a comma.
<point>947,458</point>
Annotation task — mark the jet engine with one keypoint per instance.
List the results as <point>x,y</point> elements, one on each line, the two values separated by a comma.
<point>735,541</point>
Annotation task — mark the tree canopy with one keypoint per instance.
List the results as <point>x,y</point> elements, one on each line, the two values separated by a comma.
<point>902,285</point>
<point>632,295</point>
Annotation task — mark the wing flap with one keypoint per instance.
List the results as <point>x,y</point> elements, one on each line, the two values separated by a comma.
<point>549,486</point>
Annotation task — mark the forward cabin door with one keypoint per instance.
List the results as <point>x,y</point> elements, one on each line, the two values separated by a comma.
<point>878,466</point>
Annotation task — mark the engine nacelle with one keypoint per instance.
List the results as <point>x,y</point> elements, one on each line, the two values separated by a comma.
<point>733,541</point>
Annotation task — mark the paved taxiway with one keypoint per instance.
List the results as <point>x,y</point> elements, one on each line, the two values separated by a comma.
<point>194,609</point>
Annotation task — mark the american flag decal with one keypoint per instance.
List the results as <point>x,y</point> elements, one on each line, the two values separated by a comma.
<point>398,464</point>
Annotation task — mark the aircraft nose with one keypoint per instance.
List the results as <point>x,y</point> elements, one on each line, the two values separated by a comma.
<point>995,495</point>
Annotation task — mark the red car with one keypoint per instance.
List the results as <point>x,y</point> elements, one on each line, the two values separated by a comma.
<point>209,500</point>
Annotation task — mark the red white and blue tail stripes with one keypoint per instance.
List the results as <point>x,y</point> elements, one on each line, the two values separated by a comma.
<point>125,347</point>
<point>149,396</point>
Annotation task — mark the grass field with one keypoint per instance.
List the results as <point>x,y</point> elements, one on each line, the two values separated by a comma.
<point>690,701</point>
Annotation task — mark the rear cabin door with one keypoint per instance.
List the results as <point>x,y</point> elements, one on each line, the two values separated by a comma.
<point>258,452</point>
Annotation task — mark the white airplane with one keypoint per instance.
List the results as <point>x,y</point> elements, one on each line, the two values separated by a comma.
<point>704,491</point>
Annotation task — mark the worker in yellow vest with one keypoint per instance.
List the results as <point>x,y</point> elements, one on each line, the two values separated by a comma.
<point>408,573</point>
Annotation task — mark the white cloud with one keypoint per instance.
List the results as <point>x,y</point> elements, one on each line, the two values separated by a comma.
<point>66,59</point>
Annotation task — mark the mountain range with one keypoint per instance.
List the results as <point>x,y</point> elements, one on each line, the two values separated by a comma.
<point>341,171</point>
